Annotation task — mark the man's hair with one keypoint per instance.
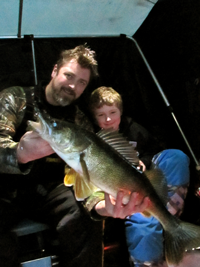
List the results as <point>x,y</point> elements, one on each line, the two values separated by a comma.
<point>105,96</point>
<point>84,56</point>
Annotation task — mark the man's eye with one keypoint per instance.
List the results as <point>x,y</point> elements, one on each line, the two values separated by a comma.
<point>83,83</point>
<point>68,75</point>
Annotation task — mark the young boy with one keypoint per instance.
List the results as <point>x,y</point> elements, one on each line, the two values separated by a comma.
<point>143,235</point>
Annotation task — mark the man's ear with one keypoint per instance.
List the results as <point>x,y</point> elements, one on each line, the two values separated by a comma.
<point>54,72</point>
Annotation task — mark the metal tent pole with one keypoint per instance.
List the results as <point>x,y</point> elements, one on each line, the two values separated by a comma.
<point>164,98</point>
<point>27,36</point>
<point>30,38</point>
<point>34,61</point>
<point>20,18</point>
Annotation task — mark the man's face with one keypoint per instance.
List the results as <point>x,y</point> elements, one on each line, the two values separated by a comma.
<point>108,117</point>
<point>67,84</point>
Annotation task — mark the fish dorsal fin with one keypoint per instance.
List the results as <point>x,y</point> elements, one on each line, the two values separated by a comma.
<point>120,144</point>
<point>82,187</point>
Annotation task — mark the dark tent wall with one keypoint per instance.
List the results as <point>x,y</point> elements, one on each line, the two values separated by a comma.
<point>171,44</point>
<point>169,38</point>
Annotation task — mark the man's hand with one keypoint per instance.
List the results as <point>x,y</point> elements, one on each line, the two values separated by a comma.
<point>32,147</point>
<point>115,208</point>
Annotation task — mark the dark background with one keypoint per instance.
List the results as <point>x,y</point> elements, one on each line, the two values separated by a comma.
<point>170,41</point>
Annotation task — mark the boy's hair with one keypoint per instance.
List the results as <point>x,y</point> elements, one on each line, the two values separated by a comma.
<point>83,55</point>
<point>105,96</point>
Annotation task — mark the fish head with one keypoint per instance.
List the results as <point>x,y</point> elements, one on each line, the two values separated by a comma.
<point>61,135</point>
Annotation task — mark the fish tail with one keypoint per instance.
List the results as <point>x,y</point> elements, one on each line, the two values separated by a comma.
<point>185,237</point>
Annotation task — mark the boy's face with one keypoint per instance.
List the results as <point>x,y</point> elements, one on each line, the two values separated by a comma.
<point>108,117</point>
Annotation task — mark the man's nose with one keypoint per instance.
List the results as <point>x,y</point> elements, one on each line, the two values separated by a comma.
<point>72,85</point>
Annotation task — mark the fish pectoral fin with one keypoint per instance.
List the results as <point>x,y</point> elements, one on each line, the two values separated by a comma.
<point>70,177</point>
<point>84,168</point>
<point>83,189</point>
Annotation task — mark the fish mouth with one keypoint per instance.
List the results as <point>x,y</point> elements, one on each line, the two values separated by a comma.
<point>36,126</point>
<point>39,126</point>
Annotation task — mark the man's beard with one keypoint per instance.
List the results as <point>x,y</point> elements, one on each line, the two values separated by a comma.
<point>63,100</point>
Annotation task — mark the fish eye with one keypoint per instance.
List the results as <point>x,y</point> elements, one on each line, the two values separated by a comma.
<point>54,124</point>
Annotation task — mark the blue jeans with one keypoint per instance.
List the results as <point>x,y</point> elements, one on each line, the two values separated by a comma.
<point>144,235</point>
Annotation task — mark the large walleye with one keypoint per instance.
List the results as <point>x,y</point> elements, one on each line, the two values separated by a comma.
<point>106,161</point>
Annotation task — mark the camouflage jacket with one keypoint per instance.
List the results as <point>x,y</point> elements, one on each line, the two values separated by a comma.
<point>13,105</point>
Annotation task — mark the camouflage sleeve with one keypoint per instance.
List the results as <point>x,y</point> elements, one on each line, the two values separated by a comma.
<point>91,202</point>
<point>12,106</point>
